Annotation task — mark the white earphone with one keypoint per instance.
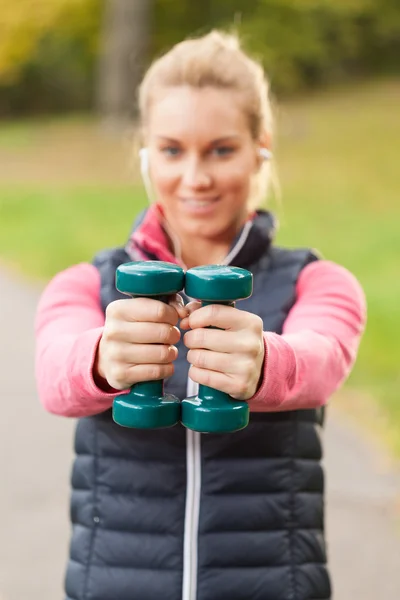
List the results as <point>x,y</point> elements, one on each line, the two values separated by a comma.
<point>144,160</point>
<point>144,170</point>
<point>265,153</point>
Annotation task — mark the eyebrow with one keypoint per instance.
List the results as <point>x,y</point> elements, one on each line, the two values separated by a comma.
<point>225,138</point>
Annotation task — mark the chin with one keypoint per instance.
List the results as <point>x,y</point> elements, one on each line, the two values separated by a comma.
<point>218,232</point>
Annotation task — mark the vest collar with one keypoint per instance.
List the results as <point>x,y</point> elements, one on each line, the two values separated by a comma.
<point>149,241</point>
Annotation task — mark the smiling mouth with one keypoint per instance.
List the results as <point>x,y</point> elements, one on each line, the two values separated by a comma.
<point>200,201</point>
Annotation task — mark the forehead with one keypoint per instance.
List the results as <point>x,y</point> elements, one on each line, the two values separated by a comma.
<point>184,112</point>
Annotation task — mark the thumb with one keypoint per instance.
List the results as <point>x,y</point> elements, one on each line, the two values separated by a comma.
<point>190,308</point>
<point>178,303</point>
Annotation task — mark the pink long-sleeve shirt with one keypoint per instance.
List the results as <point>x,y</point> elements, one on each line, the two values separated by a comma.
<point>302,367</point>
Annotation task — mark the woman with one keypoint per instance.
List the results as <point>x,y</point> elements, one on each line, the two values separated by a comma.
<point>171,513</point>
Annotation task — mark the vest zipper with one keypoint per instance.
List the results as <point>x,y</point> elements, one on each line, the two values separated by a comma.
<point>193,474</point>
<point>192,510</point>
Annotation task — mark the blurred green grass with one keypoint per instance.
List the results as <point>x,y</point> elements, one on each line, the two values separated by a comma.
<point>338,166</point>
<point>46,229</point>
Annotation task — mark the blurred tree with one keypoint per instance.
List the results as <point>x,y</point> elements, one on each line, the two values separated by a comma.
<point>123,56</point>
<point>24,24</point>
<point>176,20</point>
<point>49,58</point>
<point>21,26</point>
<point>48,49</point>
<point>306,43</point>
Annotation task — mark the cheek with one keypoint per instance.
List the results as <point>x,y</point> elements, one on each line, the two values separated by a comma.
<point>236,182</point>
<point>163,178</point>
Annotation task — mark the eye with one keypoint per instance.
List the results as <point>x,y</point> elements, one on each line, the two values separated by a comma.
<point>223,150</point>
<point>171,151</point>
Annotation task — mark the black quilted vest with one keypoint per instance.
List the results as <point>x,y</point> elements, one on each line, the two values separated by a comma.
<point>175,515</point>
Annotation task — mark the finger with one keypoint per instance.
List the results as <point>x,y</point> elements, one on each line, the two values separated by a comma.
<point>222,341</point>
<point>142,309</point>
<point>142,333</point>
<point>123,378</point>
<point>190,307</point>
<point>218,315</point>
<point>151,372</point>
<point>184,324</point>
<point>143,353</point>
<point>219,381</point>
<point>179,305</point>
<point>219,361</point>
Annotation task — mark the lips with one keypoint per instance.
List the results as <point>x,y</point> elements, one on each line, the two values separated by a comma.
<point>199,202</point>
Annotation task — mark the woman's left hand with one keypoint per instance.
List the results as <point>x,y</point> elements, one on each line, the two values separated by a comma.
<point>230,358</point>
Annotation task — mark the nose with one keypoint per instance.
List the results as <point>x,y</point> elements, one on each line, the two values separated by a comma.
<point>195,175</point>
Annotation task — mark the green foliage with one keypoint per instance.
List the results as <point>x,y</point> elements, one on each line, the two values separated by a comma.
<point>301,43</point>
<point>48,52</point>
<point>307,43</point>
<point>48,48</point>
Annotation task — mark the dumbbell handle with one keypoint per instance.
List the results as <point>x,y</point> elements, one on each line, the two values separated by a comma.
<point>152,388</point>
<point>147,398</point>
<point>206,392</point>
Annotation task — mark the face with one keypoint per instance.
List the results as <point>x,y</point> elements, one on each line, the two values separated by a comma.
<point>202,160</point>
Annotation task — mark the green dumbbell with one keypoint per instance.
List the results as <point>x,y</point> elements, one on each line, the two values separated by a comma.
<point>146,406</point>
<point>213,411</point>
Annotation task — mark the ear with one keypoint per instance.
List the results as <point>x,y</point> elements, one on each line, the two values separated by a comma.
<point>265,140</point>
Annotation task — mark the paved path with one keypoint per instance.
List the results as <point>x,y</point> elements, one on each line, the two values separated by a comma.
<point>363,507</point>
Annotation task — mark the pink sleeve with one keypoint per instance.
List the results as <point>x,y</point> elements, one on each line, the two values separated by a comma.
<point>69,323</point>
<point>319,342</point>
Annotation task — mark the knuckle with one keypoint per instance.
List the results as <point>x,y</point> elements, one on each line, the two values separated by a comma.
<point>188,339</point>
<point>258,345</point>
<point>214,310</point>
<point>165,333</point>
<point>162,334</point>
<point>161,311</point>
<point>258,323</point>
<point>165,354</point>
<point>198,338</point>
<point>114,330</point>
<point>111,309</point>
<point>246,344</point>
<point>244,366</point>
<point>254,348</point>
<point>199,359</point>
<point>255,323</point>
<point>241,388</point>
<point>155,372</point>
<point>118,373</point>
<point>114,351</point>
<point>252,345</point>
<point>116,309</point>
<point>206,378</point>
<point>109,330</point>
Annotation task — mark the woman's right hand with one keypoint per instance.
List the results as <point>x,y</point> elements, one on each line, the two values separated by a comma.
<point>138,341</point>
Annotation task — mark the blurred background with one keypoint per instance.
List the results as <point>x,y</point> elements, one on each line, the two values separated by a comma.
<point>69,181</point>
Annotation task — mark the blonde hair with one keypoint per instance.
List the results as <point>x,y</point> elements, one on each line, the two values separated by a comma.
<point>217,60</point>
